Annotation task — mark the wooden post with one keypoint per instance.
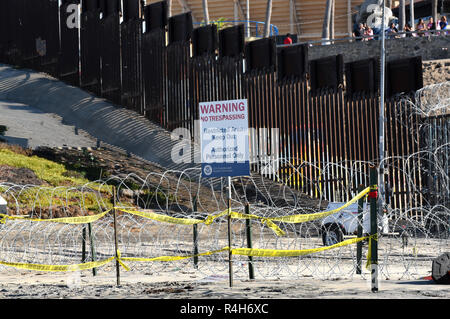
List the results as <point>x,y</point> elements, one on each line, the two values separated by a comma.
<point>360,231</point>
<point>248,223</point>
<point>116,244</point>
<point>195,232</point>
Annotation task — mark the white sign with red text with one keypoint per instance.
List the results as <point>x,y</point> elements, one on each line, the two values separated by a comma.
<point>224,138</point>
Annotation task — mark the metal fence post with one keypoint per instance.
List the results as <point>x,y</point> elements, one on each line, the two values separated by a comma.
<point>373,240</point>
<point>83,244</point>
<point>93,253</point>
<point>230,251</point>
<point>360,231</point>
<point>195,233</point>
<point>116,243</point>
<point>248,224</point>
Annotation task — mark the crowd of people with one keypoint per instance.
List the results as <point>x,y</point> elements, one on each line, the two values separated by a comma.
<point>363,32</point>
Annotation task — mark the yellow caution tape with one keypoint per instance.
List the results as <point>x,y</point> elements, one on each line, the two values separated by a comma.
<point>119,260</point>
<point>63,220</point>
<point>264,220</point>
<point>208,221</point>
<point>300,218</point>
<point>369,251</point>
<point>163,218</point>
<point>235,251</point>
<point>59,268</point>
<point>291,253</point>
<point>66,268</point>
<point>175,258</point>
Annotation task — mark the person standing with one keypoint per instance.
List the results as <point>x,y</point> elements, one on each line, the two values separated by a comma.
<point>288,39</point>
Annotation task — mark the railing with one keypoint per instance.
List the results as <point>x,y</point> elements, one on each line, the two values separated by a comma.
<point>376,36</point>
<point>248,24</point>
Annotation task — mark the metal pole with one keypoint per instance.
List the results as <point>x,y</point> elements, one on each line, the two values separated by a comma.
<point>169,8</point>
<point>291,16</point>
<point>93,253</point>
<point>381,120</point>
<point>247,14</point>
<point>349,18</point>
<point>373,229</point>
<point>267,20</point>
<point>326,21</point>
<point>83,245</point>
<point>205,11</point>
<point>230,253</point>
<point>116,244</point>
<point>360,231</point>
<point>195,233</point>
<point>411,14</point>
<point>236,12</point>
<point>402,15</point>
<point>248,224</point>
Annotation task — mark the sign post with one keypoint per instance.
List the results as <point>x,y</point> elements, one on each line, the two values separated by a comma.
<point>225,148</point>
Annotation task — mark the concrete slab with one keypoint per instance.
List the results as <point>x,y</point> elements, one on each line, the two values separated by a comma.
<point>30,127</point>
<point>100,119</point>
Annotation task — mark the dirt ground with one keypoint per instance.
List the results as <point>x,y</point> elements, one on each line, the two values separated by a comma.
<point>192,285</point>
<point>108,162</point>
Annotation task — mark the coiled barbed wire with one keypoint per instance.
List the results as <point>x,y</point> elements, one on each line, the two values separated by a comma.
<point>419,229</point>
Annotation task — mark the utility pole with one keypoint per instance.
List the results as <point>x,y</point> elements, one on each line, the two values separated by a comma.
<point>411,14</point>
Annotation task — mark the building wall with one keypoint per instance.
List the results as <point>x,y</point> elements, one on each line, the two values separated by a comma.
<point>309,14</point>
<point>430,48</point>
